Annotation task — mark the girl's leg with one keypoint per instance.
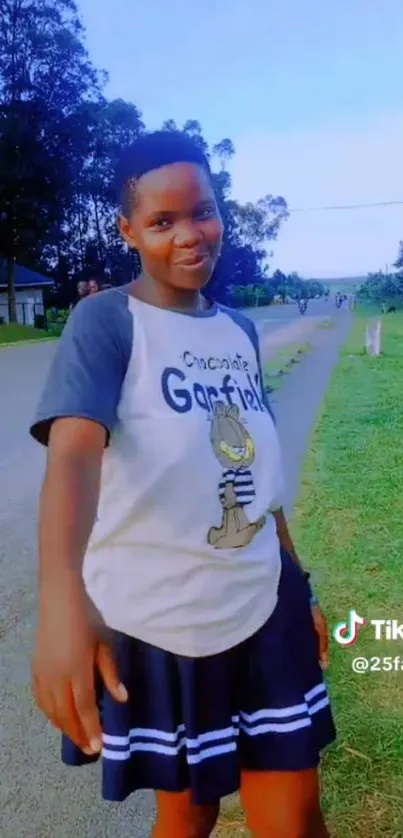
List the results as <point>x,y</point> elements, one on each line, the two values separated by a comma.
<point>178,817</point>
<point>283,804</point>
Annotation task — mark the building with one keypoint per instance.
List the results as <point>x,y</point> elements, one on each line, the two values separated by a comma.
<point>29,287</point>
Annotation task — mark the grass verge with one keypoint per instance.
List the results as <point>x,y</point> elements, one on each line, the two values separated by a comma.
<point>282,363</point>
<point>15,333</point>
<point>349,528</point>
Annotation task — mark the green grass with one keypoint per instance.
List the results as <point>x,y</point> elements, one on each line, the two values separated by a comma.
<point>349,529</point>
<point>55,330</point>
<point>14,333</point>
<point>282,363</point>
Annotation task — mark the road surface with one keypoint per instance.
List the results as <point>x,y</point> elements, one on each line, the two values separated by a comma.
<point>274,317</point>
<point>39,798</point>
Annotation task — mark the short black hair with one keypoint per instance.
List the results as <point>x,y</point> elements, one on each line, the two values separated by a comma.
<point>152,151</point>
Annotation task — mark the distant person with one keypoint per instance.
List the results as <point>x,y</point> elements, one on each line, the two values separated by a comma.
<point>93,286</point>
<point>178,636</point>
<point>82,290</point>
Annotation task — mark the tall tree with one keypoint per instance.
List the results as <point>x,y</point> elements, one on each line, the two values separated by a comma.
<point>59,143</point>
<point>383,288</point>
<point>193,128</point>
<point>260,222</point>
<point>224,150</point>
<point>399,260</point>
<point>44,74</point>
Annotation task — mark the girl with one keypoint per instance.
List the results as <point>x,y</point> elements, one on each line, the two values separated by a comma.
<point>175,628</point>
<point>93,286</point>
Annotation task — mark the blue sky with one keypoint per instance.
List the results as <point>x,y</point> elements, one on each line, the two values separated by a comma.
<point>311,94</point>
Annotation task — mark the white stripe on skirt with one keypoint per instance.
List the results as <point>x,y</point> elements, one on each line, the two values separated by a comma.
<point>216,742</point>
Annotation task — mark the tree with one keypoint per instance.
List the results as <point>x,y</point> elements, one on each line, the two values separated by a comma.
<point>314,288</point>
<point>259,223</point>
<point>44,73</point>
<point>169,125</point>
<point>381,288</point>
<point>224,150</point>
<point>193,128</point>
<point>247,229</point>
<point>384,288</point>
<point>399,260</point>
<point>59,143</point>
<point>292,286</point>
<point>279,285</point>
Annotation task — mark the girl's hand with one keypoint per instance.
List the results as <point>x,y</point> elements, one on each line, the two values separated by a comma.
<point>70,646</point>
<point>322,630</point>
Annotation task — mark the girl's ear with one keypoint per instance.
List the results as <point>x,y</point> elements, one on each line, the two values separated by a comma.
<point>126,231</point>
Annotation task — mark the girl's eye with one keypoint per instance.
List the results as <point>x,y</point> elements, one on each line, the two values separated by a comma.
<point>207,212</point>
<point>162,223</point>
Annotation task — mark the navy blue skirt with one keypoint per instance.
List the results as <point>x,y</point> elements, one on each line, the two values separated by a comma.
<point>197,723</point>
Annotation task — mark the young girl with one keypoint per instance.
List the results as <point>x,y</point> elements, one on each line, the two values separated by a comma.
<point>176,633</point>
<point>93,286</point>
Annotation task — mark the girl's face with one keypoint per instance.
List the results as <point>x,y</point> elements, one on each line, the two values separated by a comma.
<point>175,225</point>
<point>93,286</point>
<point>82,288</point>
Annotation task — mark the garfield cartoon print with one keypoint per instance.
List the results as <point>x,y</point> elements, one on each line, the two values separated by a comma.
<point>235,451</point>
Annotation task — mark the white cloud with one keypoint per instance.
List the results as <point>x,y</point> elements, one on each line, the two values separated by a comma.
<point>353,164</point>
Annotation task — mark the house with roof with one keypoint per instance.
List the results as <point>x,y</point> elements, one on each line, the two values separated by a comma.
<point>29,287</point>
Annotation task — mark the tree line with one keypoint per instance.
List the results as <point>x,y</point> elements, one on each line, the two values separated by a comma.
<point>60,138</point>
<point>385,288</point>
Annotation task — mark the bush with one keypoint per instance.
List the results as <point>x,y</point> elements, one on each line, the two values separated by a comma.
<point>55,315</point>
<point>40,321</point>
<point>56,320</point>
<point>55,329</point>
<point>245,296</point>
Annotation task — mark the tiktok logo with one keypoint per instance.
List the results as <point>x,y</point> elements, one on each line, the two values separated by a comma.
<point>347,633</point>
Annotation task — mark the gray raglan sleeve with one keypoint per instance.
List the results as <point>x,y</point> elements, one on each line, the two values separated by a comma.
<point>88,370</point>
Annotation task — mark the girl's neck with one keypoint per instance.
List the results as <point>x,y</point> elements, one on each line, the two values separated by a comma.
<point>149,291</point>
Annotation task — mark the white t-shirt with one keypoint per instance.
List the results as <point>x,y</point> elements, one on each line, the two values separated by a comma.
<point>184,552</point>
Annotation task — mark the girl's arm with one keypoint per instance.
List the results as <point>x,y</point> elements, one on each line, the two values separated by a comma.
<point>69,498</point>
<point>318,617</point>
<point>76,415</point>
<point>70,643</point>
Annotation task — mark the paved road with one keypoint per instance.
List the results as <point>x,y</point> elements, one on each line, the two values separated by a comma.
<point>38,797</point>
<point>298,402</point>
<point>275,317</point>
<point>278,314</point>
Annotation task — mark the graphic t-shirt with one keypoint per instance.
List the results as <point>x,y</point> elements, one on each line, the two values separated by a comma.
<point>242,482</point>
<point>184,552</point>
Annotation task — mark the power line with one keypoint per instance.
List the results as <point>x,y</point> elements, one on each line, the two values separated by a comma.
<point>348,206</point>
